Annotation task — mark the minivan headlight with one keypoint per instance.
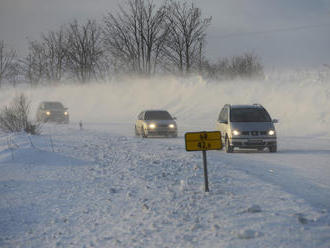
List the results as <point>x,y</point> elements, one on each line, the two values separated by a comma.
<point>48,113</point>
<point>171,126</point>
<point>236,132</point>
<point>152,125</point>
<point>271,132</point>
<point>65,113</point>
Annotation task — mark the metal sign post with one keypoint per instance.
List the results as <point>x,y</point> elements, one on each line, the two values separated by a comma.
<point>203,141</point>
<point>205,172</point>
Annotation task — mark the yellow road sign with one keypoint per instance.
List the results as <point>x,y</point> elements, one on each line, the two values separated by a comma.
<point>203,141</point>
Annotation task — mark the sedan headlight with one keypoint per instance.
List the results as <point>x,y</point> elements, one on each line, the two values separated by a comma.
<point>236,132</point>
<point>271,132</point>
<point>171,126</point>
<point>152,126</point>
<point>47,113</point>
<point>65,113</point>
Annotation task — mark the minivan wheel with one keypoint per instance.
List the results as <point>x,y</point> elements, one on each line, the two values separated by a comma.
<point>228,147</point>
<point>273,148</point>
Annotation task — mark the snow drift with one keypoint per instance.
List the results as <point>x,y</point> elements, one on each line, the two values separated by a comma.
<point>300,100</point>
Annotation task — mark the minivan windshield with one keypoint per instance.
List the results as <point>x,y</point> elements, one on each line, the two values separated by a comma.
<point>158,115</point>
<point>249,115</point>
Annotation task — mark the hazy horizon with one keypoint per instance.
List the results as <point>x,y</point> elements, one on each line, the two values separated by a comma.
<point>193,100</point>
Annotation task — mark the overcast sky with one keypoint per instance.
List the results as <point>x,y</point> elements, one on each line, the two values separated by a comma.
<point>283,33</point>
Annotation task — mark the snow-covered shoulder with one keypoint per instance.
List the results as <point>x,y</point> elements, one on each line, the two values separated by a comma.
<point>92,188</point>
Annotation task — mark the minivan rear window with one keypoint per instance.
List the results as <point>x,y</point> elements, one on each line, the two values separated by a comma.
<point>249,115</point>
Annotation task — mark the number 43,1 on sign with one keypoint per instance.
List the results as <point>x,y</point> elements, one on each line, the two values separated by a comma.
<point>203,141</point>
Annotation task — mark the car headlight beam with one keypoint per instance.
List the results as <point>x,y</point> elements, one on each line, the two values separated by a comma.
<point>271,132</point>
<point>48,113</point>
<point>65,113</point>
<point>236,132</point>
<point>152,126</point>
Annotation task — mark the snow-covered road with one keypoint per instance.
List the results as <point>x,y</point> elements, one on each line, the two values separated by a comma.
<point>103,187</point>
<point>301,166</point>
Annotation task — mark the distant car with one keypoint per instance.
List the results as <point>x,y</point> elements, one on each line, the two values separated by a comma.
<point>247,126</point>
<point>156,123</point>
<point>52,112</point>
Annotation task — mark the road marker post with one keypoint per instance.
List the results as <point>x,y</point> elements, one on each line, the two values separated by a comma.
<point>203,141</point>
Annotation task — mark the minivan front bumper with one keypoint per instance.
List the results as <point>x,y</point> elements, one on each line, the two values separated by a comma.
<point>253,142</point>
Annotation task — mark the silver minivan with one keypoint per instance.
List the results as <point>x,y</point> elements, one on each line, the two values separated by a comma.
<point>247,126</point>
<point>156,123</point>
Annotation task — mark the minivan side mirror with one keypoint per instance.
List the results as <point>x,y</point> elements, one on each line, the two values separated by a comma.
<point>275,121</point>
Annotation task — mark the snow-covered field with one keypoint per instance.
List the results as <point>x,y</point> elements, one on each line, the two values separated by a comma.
<point>103,187</point>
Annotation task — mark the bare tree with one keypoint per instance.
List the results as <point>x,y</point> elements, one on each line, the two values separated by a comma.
<point>15,117</point>
<point>84,49</point>
<point>46,58</point>
<point>218,70</point>
<point>122,42</point>
<point>247,65</point>
<point>34,64</point>
<point>75,49</point>
<point>135,36</point>
<point>14,75</point>
<point>54,51</point>
<point>7,63</point>
<point>185,41</point>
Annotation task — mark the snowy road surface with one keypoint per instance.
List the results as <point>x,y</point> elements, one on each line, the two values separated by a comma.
<point>103,187</point>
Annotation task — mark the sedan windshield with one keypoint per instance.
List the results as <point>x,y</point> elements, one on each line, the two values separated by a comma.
<point>158,115</point>
<point>53,105</point>
<point>249,115</point>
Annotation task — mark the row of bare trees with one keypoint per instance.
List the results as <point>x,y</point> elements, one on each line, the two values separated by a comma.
<point>74,51</point>
<point>140,38</point>
<point>134,37</point>
<point>247,65</point>
<point>145,37</point>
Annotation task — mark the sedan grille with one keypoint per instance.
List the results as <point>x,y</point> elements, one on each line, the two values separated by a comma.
<point>162,125</point>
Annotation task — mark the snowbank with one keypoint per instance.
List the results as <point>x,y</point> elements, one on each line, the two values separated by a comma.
<point>300,100</point>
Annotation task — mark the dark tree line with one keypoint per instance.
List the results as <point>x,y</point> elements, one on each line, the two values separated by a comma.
<point>140,38</point>
<point>75,51</point>
<point>247,65</point>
